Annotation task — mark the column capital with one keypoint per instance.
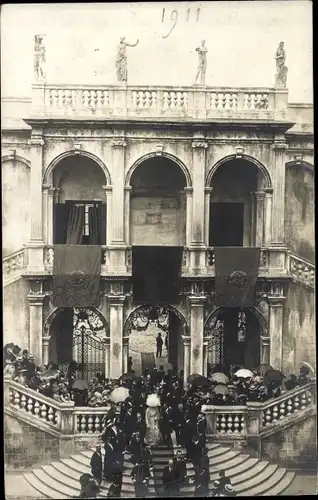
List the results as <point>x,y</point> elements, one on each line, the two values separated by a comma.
<point>279,145</point>
<point>269,191</point>
<point>128,188</point>
<point>37,140</point>
<point>116,300</point>
<point>265,340</point>
<point>188,190</point>
<point>186,340</point>
<point>208,190</point>
<point>197,301</point>
<point>119,143</point>
<point>46,340</point>
<point>275,300</point>
<point>107,188</point>
<point>46,187</point>
<point>199,144</point>
<point>35,299</point>
<point>259,194</point>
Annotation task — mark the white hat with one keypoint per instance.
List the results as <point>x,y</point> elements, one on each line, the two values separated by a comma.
<point>229,488</point>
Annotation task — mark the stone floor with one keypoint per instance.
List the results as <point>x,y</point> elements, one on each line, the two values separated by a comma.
<point>303,485</point>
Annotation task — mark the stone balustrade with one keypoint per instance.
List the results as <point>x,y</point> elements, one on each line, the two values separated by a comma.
<point>301,270</point>
<point>13,264</point>
<point>56,100</point>
<point>89,420</point>
<point>49,258</point>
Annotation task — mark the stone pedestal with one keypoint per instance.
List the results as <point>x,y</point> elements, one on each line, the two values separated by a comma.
<point>259,221</point>
<point>265,350</point>
<point>189,221</point>
<point>118,172</point>
<point>36,326</point>
<point>268,217</point>
<point>116,318</point>
<point>196,328</point>
<point>276,305</point>
<point>45,350</point>
<point>108,200</point>
<point>278,161</point>
<point>187,357</point>
<point>208,192</point>
<point>125,354</point>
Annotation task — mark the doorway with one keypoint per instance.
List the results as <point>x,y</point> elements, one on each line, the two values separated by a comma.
<point>226,224</point>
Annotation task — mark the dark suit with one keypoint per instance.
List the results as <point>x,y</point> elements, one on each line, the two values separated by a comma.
<point>97,466</point>
<point>140,477</point>
<point>170,482</point>
<point>202,484</point>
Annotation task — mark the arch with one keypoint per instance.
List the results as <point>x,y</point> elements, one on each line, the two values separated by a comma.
<point>301,163</point>
<point>253,310</point>
<point>169,156</point>
<point>251,159</point>
<point>16,158</point>
<point>66,154</point>
<point>49,320</point>
<point>173,309</point>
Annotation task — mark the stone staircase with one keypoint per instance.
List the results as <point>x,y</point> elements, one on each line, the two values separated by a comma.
<point>249,476</point>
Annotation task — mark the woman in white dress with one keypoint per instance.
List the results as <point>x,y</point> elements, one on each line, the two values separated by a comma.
<point>152,421</point>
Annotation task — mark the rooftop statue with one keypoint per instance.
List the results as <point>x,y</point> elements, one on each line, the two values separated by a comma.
<point>39,57</point>
<point>202,50</point>
<point>121,59</point>
<point>281,69</point>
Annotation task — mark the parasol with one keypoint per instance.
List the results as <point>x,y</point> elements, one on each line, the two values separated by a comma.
<point>220,378</point>
<point>273,376</point>
<point>221,389</point>
<point>308,366</point>
<point>119,394</point>
<point>153,400</point>
<point>192,377</point>
<point>263,368</point>
<point>243,373</point>
<point>127,377</point>
<point>201,381</point>
<point>80,385</point>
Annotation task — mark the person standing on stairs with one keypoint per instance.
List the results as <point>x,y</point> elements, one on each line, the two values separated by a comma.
<point>169,479</point>
<point>97,465</point>
<point>140,479</point>
<point>115,489</point>
<point>180,469</point>
<point>159,343</point>
<point>202,480</point>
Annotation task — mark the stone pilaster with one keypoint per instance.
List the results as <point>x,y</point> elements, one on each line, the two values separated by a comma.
<point>259,220</point>
<point>45,350</point>
<point>36,300</point>
<point>189,221</point>
<point>127,214</point>
<point>268,216</point>
<point>205,356</point>
<point>116,316</point>
<point>208,192</point>
<point>265,350</point>
<point>48,201</point>
<point>196,328</point>
<point>253,219</point>
<point>187,357</point>
<point>118,173</point>
<point>107,356</point>
<point>278,161</point>
<point>108,200</point>
<point>276,309</point>
<point>125,354</point>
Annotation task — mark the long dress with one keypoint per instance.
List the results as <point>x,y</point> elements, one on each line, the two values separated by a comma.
<point>152,424</point>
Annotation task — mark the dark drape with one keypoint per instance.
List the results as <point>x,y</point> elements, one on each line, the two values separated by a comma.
<point>75,226</point>
<point>76,275</point>
<point>94,227</point>
<point>60,222</point>
<point>156,274</point>
<point>236,271</point>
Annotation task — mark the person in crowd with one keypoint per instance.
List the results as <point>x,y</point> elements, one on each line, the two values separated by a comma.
<point>130,364</point>
<point>135,447</point>
<point>146,459</point>
<point>204,461</point>
<point>109,460</point>
<point>159,343</point>
<point>89,487</point>
<point>169,480</point>
<point>140,479</point>
<point>161,373</point>
<point>201,423</point>
<point>115,488</point>
<point>165,423</point>
<point>178,422</point>
<point>223,480</point>
<point>180,468</point>
<point>140,426</point>
<point>197,445</point>
<point>202,479</point>
<point>292,382</point>
<point>167,342</point>
<point>97,464</point>
<point>303,377</point>
<point>229,491</point>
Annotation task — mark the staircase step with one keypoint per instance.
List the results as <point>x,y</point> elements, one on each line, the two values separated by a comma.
<point>258,479</point>
<point>236,465</point>
<point>61,478</point>
<point>280,487</point>
<point>263,487</point>
<point>62,489</point>
<point>246,475</point>
<point>43,488</point>
<point>74,464</point>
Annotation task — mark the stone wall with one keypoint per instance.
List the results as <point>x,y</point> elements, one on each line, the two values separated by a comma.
<point>294,447</point>
<point>15,205</point>
<point>16,314</point>
<point>299,331</point>
<point>26,446</point>
<point>299,211</point>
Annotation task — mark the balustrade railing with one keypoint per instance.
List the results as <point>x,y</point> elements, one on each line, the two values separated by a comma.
<point>301,269</point>
<point>49,257</point>
<point>89,420</point>
<point>14,263</point>
<point>160,101</point>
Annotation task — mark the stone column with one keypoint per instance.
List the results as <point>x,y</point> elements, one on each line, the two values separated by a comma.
<point>208,191</point>
<point>268,217</point>
<point>116,316</point>
<point>45,350</point>
<point>278,162</point>
<point>198,162</point>
<point>265,350</point>
<point>205,357</point>
<point>196,328</point>
<point>253,218</point>
<point>259,222</point>
<point>127,214</point>
<point>108,200</point>
<point>125,354</point>
<point>118,173</point>
<point>36,325</point>
<point>186,353</point>
<point>36,241</point>
<point>276,305</point>
<point>45,200</point>
<point>107,357</point>
<point>189,221</point>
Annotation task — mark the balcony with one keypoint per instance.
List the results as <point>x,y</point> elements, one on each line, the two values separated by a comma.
<point>160,103</point>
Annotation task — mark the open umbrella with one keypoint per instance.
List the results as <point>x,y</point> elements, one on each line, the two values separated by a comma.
<point>263,368</point>
<point>243,373</point>
<point>192,377</point>
<point>304,363</point>
<point>273,376</point>
<point>119,394</point>
<point>201,381</point>
<point>80,385</point>
<point>220,378</point>
<point>221,389</point>
<point>153,400</point>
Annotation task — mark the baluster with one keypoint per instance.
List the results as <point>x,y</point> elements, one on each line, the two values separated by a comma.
<point>227,99</point>
<point>82,424</point>
<point>246,101</point>
<point>97,425</point>
<point>50,415</point>
<point>147,99</point>
<point>268,417</point>
<point>296,403</point>
<point>57,418</point>
<point>23,402</point>
<point>303,401</point>
<point>242,423</point>
<point>30,405</point>
<point>308,393</point>
<point>68,98</point>
<point>282,410</point>
<point>85,98</point>
<point>275,413</point>
<point>289,407</point>
<point>140,99</point>
<point>218,423</point>
<point>154,98</point>
<point>236,424</point>
<point>11,396</point>
<point>213,100</point>
<point>229,424</point>
<point>185,99</point>
<point>134,98</point>
<point>73,98</point>
<point>235,101</point>
<point>223,425</point>
<point>36,408</point>
<point>16,399</point>
<point>43,411</point>
<point>166,100</point>
<point>90,424</point>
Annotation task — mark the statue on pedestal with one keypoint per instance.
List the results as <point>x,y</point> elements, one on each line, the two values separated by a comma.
<point>39,57</point>
<point>202,50</point>
<point>281,69</point>
<point>121,59</point>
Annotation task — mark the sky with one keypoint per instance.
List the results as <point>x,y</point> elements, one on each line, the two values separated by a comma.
<point>241,38</point>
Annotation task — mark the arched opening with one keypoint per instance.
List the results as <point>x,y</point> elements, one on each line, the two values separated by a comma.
<point>79,335</point>
<point>142,328</point>
<point>80,202</point>
<point>234,337</point>
<point>237,204</point>
<point>158,203</point>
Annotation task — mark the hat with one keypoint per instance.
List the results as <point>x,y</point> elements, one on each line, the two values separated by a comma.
<point>229,488</point>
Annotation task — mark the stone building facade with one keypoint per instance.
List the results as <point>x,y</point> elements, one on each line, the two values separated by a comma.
<point>166,162</point>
